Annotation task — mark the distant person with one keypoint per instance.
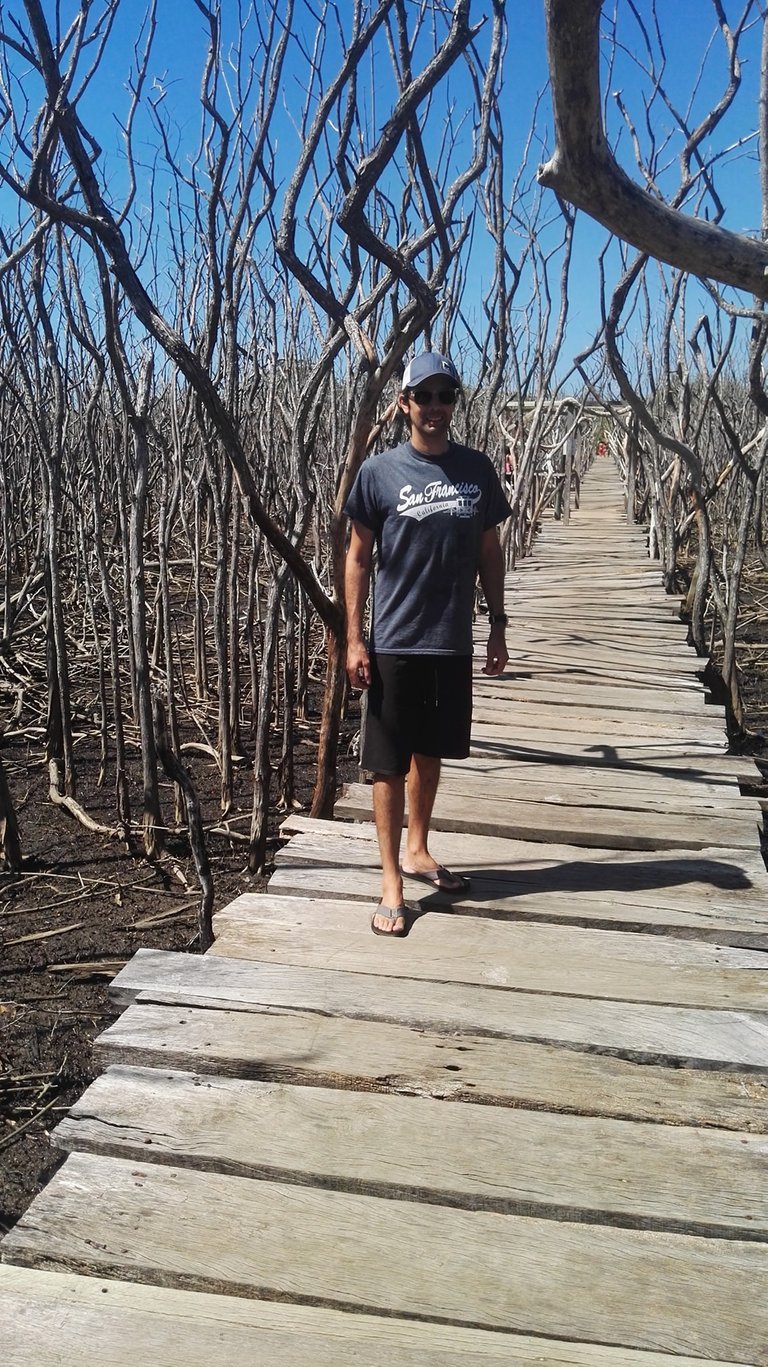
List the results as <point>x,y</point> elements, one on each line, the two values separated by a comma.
<point>430,507</point>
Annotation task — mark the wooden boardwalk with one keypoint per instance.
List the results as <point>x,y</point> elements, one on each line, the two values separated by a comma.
<point>533,1131</point>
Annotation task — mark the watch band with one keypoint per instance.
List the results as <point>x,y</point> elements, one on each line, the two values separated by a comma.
<point>498,619</point>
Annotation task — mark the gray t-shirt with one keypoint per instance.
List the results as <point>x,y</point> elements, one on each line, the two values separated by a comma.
<point>428,514</point>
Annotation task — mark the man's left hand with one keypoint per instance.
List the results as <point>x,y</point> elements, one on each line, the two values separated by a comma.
<point>497,656</point>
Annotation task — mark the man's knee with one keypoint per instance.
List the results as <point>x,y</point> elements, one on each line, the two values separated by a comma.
<point>425,763</point>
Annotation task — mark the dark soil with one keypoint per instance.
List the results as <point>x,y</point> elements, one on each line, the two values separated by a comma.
<point>79,910</point>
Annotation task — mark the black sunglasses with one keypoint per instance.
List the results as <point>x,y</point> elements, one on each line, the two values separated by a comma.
<point>422,397</point>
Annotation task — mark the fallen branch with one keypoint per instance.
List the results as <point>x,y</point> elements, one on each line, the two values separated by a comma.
<point>95,968</point>
<point>19,1130</point>
<point>44,934</point>
<point>70,805</point>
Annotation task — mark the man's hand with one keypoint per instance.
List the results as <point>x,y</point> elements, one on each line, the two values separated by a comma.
<point>357,578</point>
<point>497,656</point>
<point>358,665</point>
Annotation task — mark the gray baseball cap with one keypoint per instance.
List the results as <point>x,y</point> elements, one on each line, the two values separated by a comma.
<point>426,365</point>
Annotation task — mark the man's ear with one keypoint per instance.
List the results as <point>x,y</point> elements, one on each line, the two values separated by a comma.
<point>402,403</point>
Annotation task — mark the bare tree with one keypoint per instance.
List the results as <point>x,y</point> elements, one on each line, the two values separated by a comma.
<point>584,171</point>
<point>286,323</point>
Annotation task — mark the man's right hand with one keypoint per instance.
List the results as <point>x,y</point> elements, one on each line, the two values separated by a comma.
<point>358,665</point>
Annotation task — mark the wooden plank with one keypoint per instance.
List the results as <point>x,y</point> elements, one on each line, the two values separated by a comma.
<point>555,575</point>
<point>671,656</point>
<point>56,1319</point>
<point>537,606</point>
<point>593,610</point>
<point>209,1232</point>
<point>576,716</point>
<point>707,921</point>
<point>526,956</point>
<point>566,628</point>
<point>531,611</point>
<point>583,672</point>
<point>623,728</point>
<point>688,704</point>
<point>635,725</point>
<point>533,741</point>
<point>571,868</point>
<point>514,1162</point>
<point>647,651</point>
<point>700,894</point>
<point>543,783</point>
<point>658,1034</point>
<point>547,585</point>
<point>705,762</point>
<point>603,784</point>
<point>458,808</point>
<point>582,679</point>
<point>282,1044</point>
<point>583,676</point>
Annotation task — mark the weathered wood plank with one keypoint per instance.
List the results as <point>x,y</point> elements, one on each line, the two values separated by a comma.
<point>563,868</point>
<point>677,666</point>
<point>612,621</point>
<point>54,1319</point>
<point>535,742</point>
<point>208,1232</point>
<point>614,965</point>
<point>581,675</point>
<point>635,887</point>
<point>687,705</point>
<point>704,920</point>
<point>557,716</point>
<point>287,1045</point>
<point>466,807</point>
<point>560,716</point>
<point>547,788</point>
<point>659,1034</point>
<point>602,784</point>
<point>514,1162</point>
<point>708,920</point>
<point>598,648</point>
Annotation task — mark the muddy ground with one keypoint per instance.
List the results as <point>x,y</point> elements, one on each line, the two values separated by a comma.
<point>81,907</point>
<point>84,904</point>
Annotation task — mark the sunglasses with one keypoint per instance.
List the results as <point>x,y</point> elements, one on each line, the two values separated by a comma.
<point>422,397</point>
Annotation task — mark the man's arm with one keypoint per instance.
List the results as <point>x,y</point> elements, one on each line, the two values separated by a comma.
<point>492,580</point>
<point>357,580</point>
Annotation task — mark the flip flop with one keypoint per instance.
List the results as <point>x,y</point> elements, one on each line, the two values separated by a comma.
<point>440,878</point>
<point>391,914</point>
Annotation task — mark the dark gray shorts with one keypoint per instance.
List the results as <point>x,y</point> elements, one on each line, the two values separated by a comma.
<point>417,704</point>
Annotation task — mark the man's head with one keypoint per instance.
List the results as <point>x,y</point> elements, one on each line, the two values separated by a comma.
<point>430,365</point>
<point>431,386</point>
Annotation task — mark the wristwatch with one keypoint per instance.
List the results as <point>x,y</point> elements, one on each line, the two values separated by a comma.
<point>498,619</point>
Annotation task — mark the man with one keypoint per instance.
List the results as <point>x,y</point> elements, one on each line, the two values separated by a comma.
<point>430,508</point>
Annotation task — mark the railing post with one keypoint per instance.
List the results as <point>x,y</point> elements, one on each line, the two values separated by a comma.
<point>631,469</point>
<point>569,452</point>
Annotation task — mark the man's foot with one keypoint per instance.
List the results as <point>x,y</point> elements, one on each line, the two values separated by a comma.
<point>389,921</point>
<point>439,878</point>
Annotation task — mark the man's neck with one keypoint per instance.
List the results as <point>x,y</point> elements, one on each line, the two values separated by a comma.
<point>426,446</point>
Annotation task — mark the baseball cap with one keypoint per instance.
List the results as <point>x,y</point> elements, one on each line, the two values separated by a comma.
<point>426,365</point>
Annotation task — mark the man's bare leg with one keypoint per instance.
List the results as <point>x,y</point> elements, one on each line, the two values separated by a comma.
<point>388,812</point>
<point>423,778</point>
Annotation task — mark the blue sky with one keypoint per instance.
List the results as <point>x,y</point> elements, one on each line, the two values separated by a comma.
<point>177,60</point>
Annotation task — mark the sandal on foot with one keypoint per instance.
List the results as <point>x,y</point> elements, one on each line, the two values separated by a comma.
<point>390,914</point>
<point>440,878</point>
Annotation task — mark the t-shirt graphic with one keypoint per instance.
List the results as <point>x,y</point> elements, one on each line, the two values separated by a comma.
<point>460,500</point>
<point>428,514</point>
